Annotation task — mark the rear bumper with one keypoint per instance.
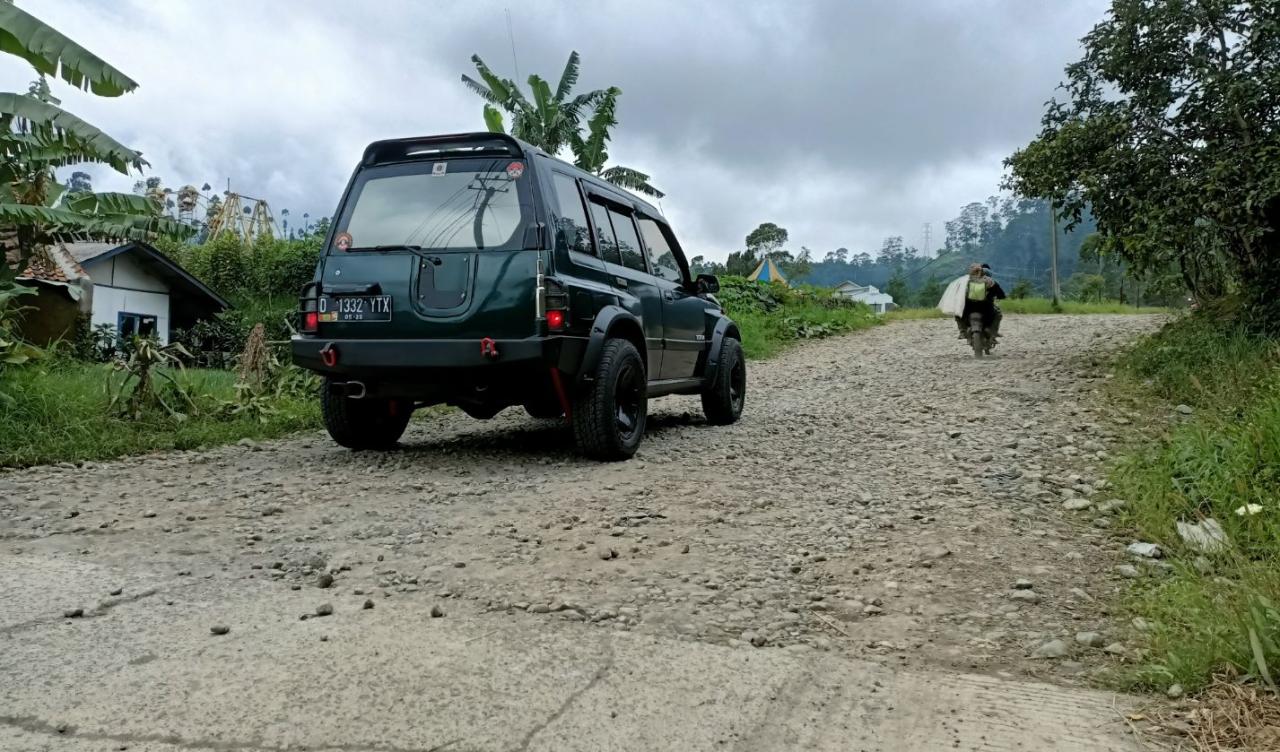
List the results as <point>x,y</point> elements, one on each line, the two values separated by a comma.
<point>447,358</point>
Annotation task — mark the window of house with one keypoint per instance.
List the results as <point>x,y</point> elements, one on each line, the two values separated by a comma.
<point>605,239</point>
<point>130,325</point>
<point>661,257</point>
<point>628,241</point>
<point>573,215</point>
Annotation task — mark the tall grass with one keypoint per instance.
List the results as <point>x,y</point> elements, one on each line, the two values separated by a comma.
<point>57,411</point>
<point>1216,611</point>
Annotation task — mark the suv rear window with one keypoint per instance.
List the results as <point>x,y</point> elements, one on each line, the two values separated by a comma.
<point>466,204</point>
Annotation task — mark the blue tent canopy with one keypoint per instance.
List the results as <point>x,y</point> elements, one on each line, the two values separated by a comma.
<point>767,271</point>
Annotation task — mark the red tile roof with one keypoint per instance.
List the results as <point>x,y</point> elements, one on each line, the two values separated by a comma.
<point>54,264</point>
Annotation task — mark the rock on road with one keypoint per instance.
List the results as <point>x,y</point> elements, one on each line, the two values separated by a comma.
<point>876,558</point>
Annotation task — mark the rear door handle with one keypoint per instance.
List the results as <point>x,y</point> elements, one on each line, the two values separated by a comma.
<point>622,281</point>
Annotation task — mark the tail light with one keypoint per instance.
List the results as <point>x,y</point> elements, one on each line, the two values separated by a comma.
<point>555,304</point>
<point>309,304</point>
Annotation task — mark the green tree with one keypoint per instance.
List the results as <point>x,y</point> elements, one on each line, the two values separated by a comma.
<point>766,239</point>
<point>37,137</point>
<point>799,267</point>
<point>898,290</point>
<point>552,121</point>
<point>930,292</point>
<point>1022,289</point>
<point>701,265</point>
<point>741,263</point>
<point>1171,136</point>
<point>80,182</point>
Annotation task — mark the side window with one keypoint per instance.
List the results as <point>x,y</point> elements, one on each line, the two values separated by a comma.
<point>605,239</point>
<point>573,215</point>
<point>660,254</point>
<point>628,241</point>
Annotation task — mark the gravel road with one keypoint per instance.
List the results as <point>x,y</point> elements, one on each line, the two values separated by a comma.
<point>877,557</point>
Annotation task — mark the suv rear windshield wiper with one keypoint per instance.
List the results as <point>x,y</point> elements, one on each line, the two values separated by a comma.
<point>416,250</point>
<point>410,248</point>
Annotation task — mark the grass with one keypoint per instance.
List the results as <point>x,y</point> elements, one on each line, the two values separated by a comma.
<point>774,317</point>
<point>57,411</point>
<point>764,335</point>
<point>1031,306</point>
<point>1214,612</point>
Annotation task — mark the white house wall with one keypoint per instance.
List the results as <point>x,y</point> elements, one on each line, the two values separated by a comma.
<point>120,285</point>
<point>124,272</point>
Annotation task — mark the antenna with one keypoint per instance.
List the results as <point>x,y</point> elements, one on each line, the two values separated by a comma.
<point>512,36</point>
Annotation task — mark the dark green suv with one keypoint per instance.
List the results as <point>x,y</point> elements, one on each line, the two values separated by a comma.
<point>476,270</point>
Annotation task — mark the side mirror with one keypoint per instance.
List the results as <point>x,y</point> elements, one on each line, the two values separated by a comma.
<point>706,284</point>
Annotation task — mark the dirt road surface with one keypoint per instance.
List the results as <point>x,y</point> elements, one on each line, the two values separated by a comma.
<point>876,558</point>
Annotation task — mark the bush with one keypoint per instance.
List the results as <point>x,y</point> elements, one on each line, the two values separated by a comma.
<point>269,268</point>
<point>773,316</point>
<point>1215,612</point>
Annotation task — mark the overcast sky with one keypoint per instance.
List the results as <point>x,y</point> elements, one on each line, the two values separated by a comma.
<point>843,121</point>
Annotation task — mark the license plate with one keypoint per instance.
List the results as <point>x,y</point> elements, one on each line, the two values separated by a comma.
<point>355,308</point>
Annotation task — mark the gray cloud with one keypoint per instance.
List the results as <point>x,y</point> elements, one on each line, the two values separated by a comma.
<point>842,121</point>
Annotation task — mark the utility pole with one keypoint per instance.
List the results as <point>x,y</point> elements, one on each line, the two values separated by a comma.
<point>928,232</point>
<point>1053,254</point>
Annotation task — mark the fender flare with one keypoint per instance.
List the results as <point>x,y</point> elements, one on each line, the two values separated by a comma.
<point>725,329</point>
<point>602,327</point>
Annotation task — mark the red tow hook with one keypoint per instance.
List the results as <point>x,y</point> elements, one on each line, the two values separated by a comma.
<point>329,355</point>
<point>489,348</point>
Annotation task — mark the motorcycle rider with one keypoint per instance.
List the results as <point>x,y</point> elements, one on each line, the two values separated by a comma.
<point>999,315</point>
<point>981,294</point>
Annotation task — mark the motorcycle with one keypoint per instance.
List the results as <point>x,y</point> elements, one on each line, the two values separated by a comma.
<point>980,336</point>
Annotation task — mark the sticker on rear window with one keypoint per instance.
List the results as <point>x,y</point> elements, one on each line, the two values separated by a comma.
<point>343,241</point>
<point>438,168</point>
<point>515,170</point>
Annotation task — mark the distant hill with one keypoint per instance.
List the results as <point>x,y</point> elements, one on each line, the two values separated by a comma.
<point>1012,236</point>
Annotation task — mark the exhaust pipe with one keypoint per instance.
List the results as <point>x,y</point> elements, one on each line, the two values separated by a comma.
<point>349,389</point>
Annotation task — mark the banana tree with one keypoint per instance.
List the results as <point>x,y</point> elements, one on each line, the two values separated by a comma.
<point>53,54</point>
<point>545,119</point>
<point>553,120</point>
<point>592,153</point>
<point>37,137</point>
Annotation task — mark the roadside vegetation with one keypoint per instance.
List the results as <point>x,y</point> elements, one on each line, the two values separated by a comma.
<point>1218,609</point>
<point>773,317</point>
<point>59,410</point>
<point>1164,84</point>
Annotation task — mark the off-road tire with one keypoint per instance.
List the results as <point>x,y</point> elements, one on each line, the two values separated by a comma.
<point>597,428</point>
<point>726,393</point>
<point>977,336</point>
<point>367,423</point>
